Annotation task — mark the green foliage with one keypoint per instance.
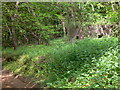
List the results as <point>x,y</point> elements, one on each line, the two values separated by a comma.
<point>88,63</point>
<point>33,23</point>
<point>36,23</point>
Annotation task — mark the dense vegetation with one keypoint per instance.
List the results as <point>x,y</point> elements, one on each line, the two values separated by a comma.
<point>87,63</point>
<point>62,45</point>
<point>37,23</point>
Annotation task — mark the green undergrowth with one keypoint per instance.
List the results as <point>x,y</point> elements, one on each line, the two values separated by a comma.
<point>33,50</point>
<point>87,63</point>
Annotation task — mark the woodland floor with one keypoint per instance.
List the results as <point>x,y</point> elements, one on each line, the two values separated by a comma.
<point>11,81</point>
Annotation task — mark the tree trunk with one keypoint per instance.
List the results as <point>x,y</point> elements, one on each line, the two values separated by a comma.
<point>63,26</point>
<point>73,16</point>
<point>14,39</point>
<point>13,18</point>
<point>71,23</point>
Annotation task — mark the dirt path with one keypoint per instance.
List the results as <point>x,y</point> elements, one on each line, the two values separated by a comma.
<point>11,81</point>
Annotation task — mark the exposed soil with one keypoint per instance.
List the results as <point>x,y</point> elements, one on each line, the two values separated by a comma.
<point>11,81</point>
